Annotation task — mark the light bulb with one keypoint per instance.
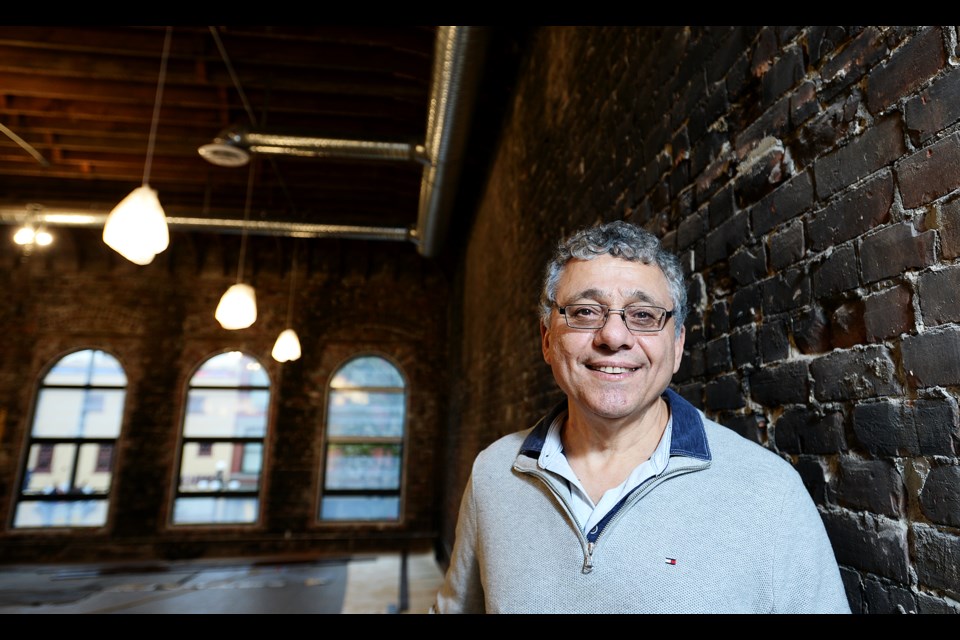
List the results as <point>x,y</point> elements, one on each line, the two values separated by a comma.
<point>237,308</point>
<point>24,235</point>
<point>43,238</point>
<point>287,346</point>
<point>137,227</point>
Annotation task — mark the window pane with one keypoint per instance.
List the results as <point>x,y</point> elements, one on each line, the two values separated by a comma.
<point>215,510</point>
<point>49,469</point>
<point>229,467</point>
<point>227,412</point>
<point>360,508</point>
<point>87,368</point>
<point>360,413</point>
<point>369,371</point>
<point>233,369</point>
<point>89,479</point>
<point>80,513</point>
<point>79,413</point>
<point>363,466</point>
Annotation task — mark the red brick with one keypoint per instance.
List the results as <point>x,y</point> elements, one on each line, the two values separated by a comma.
<point>939,497</point>
<point>895,249</point>
<point>785,203</point>
<point>786,72</point>
<point>888,313</point>
<point>950,227</point>
<point>875,545</point>
<point>872,150</point>
<point>909,67</point>
<point>853,213</point>
<point>850,63</point>
<point>929,173</point>
<point>935,108</point>
<point>847,326</point>
<point>936,558</point>
<point>837,272</point>
<point>870,485</point>
<point>853,374</point>
<point>932,358</point>
<point>938,293</point>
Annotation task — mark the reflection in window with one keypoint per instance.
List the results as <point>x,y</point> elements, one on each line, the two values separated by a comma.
<point>68,470</point>
<point>363,470</point>
<point>221,453</point>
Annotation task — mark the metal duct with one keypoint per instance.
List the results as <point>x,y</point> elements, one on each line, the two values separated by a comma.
<point>88,219</point>
<point>459,52</point>
<point>309,146</point>
<point>456,72</point>
<point>458,57</point>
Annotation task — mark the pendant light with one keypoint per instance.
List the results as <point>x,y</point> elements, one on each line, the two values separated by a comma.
<point>238,306</point>
<point>287,346</point>
<point>137,227</point>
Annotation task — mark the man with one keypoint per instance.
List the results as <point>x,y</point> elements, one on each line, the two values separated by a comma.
<point>625,498</point>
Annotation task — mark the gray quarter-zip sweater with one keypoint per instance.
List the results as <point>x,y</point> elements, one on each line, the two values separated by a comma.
<point>727,527</point>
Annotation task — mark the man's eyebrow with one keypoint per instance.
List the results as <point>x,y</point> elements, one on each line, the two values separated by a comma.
<point>599,294</point>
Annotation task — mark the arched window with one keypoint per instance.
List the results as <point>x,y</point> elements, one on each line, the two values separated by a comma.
<point>363,452</point>
<point>221,451</point>
<point>68,469</point>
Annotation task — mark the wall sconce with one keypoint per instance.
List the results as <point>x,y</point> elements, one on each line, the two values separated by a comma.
<point>137,227</point>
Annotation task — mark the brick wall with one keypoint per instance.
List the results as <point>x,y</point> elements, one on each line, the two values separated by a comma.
<point>809,178</point>
<point>158,321</point>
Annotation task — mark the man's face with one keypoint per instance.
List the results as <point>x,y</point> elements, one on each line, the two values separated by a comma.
<point>611,373</point>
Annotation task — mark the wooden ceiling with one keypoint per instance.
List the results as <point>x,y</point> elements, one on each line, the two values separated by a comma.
<point>83,97</point>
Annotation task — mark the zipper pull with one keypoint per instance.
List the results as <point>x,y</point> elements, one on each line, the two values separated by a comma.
<point>588,559</point>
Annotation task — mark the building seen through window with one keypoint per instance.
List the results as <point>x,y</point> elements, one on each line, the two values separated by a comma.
<point>366,414</point>
<point>221,452</point>
<point>68,470</point>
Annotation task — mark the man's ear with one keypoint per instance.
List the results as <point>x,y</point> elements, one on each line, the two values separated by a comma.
<point>545,341</point>
<point>678,348</point>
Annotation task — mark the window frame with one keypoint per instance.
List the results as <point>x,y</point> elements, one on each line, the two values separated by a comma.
<point>400,441</point>
<point>189,407</point>
<point>47,444</point>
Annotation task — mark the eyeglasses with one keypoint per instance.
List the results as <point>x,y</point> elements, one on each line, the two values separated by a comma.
<point>638,318</point>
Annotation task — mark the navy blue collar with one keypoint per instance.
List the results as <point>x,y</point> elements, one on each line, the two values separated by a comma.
<point>689,437</point>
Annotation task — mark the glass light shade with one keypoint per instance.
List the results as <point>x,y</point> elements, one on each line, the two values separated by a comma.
<point>137,227</point>
<point>43,238</point>
<point>24,235</point>
<point>287,346</point>
<point>237,308</point>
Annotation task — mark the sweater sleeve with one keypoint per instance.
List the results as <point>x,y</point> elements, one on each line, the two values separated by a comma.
<point>462,590</point>
<point>806,576</point>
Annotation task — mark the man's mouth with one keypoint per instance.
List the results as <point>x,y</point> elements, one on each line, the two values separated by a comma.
<point>613,369</point>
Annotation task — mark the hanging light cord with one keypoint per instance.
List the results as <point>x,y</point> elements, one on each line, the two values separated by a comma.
<point>293,278</point>
<point>246,218</point>
<point>156,106</point>
<point>233,75</point>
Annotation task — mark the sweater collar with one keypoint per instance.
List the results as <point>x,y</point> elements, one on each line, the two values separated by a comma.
<point>689,436</point>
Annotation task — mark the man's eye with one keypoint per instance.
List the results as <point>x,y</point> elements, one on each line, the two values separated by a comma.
<point>642,315</point>
<point>586,312</point>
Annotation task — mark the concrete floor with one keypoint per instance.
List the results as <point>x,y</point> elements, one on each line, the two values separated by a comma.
<point>356,585</point>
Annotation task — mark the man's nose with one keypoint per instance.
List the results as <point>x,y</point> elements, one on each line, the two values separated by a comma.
<point>614,333</point>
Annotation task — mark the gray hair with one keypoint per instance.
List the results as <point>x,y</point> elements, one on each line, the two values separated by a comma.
<point>619,239</point>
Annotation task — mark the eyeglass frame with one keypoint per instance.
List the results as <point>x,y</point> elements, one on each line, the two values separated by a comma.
<point>606,311</point>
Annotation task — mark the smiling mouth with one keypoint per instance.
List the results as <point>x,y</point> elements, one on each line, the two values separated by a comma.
<point>613,369</point>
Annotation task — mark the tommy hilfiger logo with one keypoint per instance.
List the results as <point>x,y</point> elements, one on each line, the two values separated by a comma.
<point>671,561</point>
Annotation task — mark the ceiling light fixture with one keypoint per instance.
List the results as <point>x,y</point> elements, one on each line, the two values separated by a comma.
<point>32,234</point>
<point>287,346</point>
<point>137,227</point>
<point>238,306</point>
